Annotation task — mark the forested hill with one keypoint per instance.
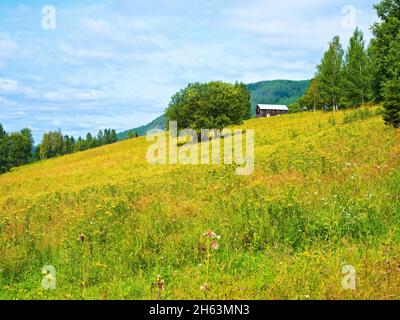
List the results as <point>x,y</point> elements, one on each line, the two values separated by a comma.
<point>268,92</point>
<point>158,123</point>
<point>276,92</point>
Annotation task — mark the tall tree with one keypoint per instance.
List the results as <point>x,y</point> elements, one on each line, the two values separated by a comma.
<point>356,72</point>
<point>391,87</point>
<point>52,145</point>
<point>68,145</point>
<point>4,147</point>
<point>114,137</point>
<point>79,145</point>
<point>28,143</point>
<point>385,56</point>
<point>213,105</point>
<point>2,131</point>
<point>90,143</point>
<point>106,136</point>
<point>15,148</point>
<point>312,98</point>
<point>100,138</point>
<point>385,32</point>
<point>329,74</point>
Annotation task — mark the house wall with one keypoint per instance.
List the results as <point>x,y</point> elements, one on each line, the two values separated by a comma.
<point>271,113</point>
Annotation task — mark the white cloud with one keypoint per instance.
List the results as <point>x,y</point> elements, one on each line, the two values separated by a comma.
<point>7,85</point>
<point>89,95</point>
<point>8,48</point>
<point>11,87</point>
<point>294,24</point>
<point>70,95</point>
<point>115,24</point>
<point>82,53</point>
<point>95,25</point>
<point>7,103</point>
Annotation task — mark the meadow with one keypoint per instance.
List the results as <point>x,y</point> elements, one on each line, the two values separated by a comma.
<point>325,193</point>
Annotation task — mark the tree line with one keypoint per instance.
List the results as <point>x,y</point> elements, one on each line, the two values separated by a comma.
<point>17,148</point>
<point>342,80</point>
<point>362,74</point>
<point>55,144</point>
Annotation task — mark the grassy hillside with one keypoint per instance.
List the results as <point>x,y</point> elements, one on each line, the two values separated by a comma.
<point>269,92</point>
<point>325,193</point>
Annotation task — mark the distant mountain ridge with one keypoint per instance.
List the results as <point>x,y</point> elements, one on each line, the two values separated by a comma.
<point>267,92</point>
<point>158,123</point>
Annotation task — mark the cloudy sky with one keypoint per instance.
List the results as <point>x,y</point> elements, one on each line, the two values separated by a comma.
<point>116,63</point>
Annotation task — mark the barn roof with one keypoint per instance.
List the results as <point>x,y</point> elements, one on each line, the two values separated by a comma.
<point>272,107</point>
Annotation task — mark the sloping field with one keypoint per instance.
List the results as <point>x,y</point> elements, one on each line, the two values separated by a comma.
<point>325,193</point>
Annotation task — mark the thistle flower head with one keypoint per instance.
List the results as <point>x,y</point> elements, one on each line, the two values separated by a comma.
<point>81,237</point>
<point>214,245</point>
<point>204,287</point>
<point>210,234</point>
<point>160,282</point>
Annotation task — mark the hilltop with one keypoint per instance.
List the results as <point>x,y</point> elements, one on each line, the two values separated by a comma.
<point>325,193</point>
<point>269,92</point>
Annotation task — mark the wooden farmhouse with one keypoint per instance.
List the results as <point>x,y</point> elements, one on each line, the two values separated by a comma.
<point>270,110</point>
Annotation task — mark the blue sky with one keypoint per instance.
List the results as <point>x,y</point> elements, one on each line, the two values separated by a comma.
<point>116,63</point>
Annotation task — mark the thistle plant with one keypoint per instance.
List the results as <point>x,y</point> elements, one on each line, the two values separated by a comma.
<point>211,245</point>
<point>159,284</point>
<point>82,239</point>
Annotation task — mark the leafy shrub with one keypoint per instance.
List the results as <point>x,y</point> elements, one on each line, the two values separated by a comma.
<point>358,115</point>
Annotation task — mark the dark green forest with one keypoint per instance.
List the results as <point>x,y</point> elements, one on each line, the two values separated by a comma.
<point>284,92</point>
